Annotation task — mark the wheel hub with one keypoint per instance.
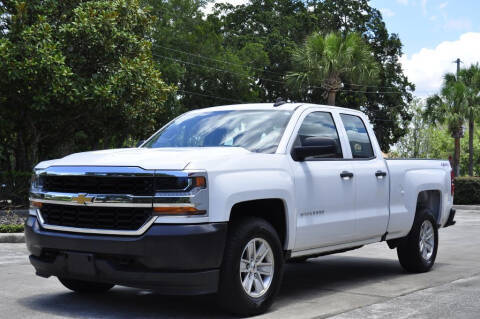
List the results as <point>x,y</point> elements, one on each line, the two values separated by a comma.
<point>256,267</point>
<point>427,240</point>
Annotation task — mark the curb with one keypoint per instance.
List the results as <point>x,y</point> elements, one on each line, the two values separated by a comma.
<point>12,238</point>
<point>467,207</point>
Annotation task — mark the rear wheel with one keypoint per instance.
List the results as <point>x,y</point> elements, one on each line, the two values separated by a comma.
<point>417,251</point>
<point>85,286</point>
<point>252,267</point>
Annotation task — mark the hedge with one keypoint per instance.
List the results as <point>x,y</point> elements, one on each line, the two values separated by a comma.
<point>11,228</point>
<point>467,191</point>
<point>14,187</point>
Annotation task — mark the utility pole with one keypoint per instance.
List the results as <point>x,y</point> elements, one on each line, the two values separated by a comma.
<point>456,157</point>
<point>458,61</point>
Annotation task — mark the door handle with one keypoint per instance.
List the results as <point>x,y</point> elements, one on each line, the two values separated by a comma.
<point>380,174</point>
<point>346,175</point>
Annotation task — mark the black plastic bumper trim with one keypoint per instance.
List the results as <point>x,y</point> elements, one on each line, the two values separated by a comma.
<point>171,259</point>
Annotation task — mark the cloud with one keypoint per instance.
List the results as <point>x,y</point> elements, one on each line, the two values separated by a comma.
<point>424,6</point>
<point>404,2</point>
<point>427,67</point>
<point>460,24</point>
<point>442,5</point>
<point>387,12</point>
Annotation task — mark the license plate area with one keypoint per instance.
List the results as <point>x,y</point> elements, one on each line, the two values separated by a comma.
<point>82,264</point>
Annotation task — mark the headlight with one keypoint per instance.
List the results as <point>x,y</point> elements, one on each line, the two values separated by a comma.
<point>37,181</point>
<point>190,199</point>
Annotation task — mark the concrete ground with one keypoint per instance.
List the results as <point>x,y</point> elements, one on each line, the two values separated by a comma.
<point>366,283</point>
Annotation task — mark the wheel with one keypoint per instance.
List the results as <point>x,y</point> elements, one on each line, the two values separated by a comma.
<point>252,267</point>
<point>85,286</point>
<point>298,260</point>
<point>417,251</point>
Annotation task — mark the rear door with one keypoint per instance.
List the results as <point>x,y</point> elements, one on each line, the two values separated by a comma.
<point>325,209</point>
<point>371,179</point>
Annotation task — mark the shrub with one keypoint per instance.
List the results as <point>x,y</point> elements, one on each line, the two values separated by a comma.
<point>14,187</point>
<point>467,190</point>
<point>11,228</point>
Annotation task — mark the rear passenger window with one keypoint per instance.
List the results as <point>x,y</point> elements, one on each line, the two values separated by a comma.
<point>319,124</point>
<point>357,136</point>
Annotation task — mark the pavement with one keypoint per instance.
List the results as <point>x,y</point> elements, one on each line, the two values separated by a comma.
<point>365,283</point>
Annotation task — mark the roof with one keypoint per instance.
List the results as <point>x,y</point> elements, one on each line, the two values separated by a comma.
<point>269,106</point>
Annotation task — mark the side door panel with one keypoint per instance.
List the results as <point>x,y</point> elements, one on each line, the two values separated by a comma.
<point>371,180</point>
<point>325,209</point>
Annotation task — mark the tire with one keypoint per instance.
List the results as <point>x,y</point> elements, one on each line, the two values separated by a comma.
<point>82,286</point>
<point>413,251</point>
<point>298,260</point>
<point>233,297</point>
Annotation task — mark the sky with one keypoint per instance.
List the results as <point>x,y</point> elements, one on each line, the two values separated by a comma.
<point>434,33</point>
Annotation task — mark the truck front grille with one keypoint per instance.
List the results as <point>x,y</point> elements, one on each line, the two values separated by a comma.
<point>131,185</point>
<point>112,218</point>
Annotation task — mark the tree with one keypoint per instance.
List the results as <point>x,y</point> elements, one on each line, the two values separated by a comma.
<point>449,107</point>
<point>327,62</point>
<point>471,79</point>
<point>416,143</point>
<point>190,52</point>
<point>280,26</point>
<point>76,75</point>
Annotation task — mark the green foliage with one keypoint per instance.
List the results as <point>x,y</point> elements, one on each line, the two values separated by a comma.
<point>76,75</point>
<point>85,74</point>
<point>11,228</point>
<point>326,62</point>
<point>281,26</point>
<point>424,140</point>
<point>467,191</point>
<point>458,102</point>
<point>14,186</point>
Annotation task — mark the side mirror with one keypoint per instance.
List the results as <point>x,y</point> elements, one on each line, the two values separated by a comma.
<point>140,143</point>
<point>315,146</point>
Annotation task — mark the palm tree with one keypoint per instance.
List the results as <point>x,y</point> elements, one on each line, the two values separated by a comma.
<point>449,107</point>
<point>471,79</point>
<point>329,61</point>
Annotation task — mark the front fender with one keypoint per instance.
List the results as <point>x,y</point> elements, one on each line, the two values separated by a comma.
<point>230,188</point>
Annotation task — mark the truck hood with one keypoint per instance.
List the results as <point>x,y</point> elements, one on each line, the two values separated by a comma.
<point>146,158</point>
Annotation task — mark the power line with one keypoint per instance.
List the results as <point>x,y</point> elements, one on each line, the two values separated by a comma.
<point>214,68</point>
<point>242,102</point>
<point>216,60</point>
<point>268,80</point>
<point>252,68</point>
<point>209,95</point>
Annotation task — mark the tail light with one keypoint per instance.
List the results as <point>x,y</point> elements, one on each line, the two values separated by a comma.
<point>452,181</point>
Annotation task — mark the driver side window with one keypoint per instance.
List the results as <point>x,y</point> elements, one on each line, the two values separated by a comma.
<point>319,125</point>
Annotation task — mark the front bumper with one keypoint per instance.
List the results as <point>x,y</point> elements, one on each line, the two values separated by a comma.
<point>171,259</point>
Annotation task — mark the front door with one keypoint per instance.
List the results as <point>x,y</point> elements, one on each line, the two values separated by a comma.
<point>325,191</point>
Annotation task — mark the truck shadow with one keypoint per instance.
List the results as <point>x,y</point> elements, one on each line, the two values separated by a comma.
<point>301,281</point>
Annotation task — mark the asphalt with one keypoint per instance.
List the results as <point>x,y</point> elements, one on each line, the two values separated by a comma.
<point>365,283</point>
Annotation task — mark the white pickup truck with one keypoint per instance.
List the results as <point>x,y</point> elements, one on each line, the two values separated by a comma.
<point>220,198</point>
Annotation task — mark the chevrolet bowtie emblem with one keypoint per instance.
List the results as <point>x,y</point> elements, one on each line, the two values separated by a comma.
<point>82,199</point>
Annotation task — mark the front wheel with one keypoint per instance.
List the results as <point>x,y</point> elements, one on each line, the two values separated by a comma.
<point>417,251</point>
<point>82,286</point>
<point>252,267</point>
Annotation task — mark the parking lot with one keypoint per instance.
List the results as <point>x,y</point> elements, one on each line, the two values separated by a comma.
<point>365,283</point>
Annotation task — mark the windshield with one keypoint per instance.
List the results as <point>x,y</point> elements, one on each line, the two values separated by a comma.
<point>256,130</point>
